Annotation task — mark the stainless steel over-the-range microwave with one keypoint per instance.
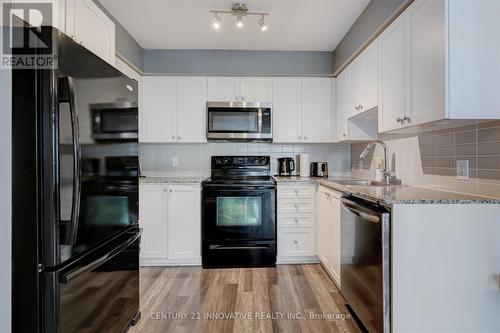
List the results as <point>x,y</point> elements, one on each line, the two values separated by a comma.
<point>239,121</point>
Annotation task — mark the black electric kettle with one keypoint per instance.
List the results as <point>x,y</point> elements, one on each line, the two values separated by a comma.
<point>286,165</point>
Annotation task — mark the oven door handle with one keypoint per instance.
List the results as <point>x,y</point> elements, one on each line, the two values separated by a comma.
<point>356,209</point>
<point>248,247</point>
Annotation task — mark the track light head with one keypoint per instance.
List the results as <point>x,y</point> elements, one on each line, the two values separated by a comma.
<point>217,22</point>
<point>262,23</point>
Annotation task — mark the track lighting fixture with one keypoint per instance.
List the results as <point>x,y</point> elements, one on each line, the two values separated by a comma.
<point>239,10</point>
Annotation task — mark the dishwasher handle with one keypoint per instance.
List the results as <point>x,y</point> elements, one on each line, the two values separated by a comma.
<point>360,211</point>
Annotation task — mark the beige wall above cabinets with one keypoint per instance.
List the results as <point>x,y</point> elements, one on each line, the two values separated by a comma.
<point>440,60</point>
<point>88,25</point>
<point>303,110</point>
<point>172,109</point>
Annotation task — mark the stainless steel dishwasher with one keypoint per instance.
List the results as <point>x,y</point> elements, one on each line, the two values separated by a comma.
<point>365,262</point>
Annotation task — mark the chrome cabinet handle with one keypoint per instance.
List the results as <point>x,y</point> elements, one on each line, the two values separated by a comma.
<point>300,138</point>
<point>344,135</point>
<point>295,242</point>
<point>399,120</point>
<point>407,119</point>
<point>296,221</point>
<point>242,98</point>
<point>179,137</point>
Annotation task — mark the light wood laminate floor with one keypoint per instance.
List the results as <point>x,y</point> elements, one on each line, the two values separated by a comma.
<point>281,299</point>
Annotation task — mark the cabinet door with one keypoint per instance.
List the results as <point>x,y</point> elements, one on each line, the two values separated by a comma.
<point>317,110</point>
<point>184,223</point>
<point>159,104</point>
<point>356,86</point>
<point>94,30</point>
<point>223,89</point>
<point>334,110</point>
<point>322,212</point>
<point>191,109</point>
<point>334,251</point>
<point>153,221</point>
<point>370,77</point>
<point>343,105</point>
<point>425,50</point>
<point>256,89</point>
<point>391,76</point>
<point>287,110</point>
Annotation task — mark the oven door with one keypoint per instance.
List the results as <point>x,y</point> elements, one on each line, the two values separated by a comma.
<point>245,122</point>
<point>239,213</point>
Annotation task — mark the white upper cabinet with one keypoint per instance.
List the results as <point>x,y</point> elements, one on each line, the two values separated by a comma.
<point>287,110</point>
<point>191,109</point>
<point>248,89</point>
<point>256,89</point>
<point>370,86</point>
<point>85,22</point>
<point>439,60</point>
<point>223,89</point>
<point>317,110</point>
<point>343,104</point>
<point>172,109</point>
<point>474,59</point>
<point>425,49</point>
<point>363,81</point>
<point>158,109</point>
<point>391,59</point>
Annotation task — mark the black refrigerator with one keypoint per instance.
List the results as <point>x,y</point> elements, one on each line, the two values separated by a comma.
<point>75,231</point>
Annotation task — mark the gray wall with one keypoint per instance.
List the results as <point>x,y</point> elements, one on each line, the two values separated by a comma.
<point>235,62</point>
<point>125,44</point>
<point>374,15</point>
<point>5,201</point>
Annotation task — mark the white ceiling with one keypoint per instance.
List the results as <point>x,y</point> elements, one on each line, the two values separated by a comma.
<point>295,25</point>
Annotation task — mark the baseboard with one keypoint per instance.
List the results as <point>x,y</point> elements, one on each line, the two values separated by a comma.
<point>169,262</point>
<point>298,260</point>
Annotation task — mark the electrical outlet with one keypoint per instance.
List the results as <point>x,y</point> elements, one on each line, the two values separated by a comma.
<point>175,162</point>
<point>463,169</point>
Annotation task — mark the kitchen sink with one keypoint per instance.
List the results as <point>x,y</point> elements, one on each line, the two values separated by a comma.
<point>355,182</point>
<point>362,182</point>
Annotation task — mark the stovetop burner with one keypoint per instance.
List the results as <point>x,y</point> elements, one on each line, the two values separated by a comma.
<point>240,170</point>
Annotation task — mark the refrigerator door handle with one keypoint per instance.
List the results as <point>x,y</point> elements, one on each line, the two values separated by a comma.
<point>66,278</point>
<point>75,204</point>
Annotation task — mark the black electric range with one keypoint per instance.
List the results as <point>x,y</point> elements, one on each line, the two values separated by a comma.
<point>239,213</point>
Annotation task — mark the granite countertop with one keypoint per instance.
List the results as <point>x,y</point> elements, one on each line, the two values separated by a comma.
<point>394,194</point>
<point>160,179</point>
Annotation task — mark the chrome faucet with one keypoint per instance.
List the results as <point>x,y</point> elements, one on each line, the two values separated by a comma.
<point>389,176</point>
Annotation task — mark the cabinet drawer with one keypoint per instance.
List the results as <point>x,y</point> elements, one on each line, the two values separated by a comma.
<point>295,221</point>
<point>296,242</point>
<point>296,192</point>
<point>295,206</point>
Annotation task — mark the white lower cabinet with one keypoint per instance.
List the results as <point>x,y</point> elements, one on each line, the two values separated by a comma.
<point>328,230</point>
<point>296,214</point>
<point>170,218</point>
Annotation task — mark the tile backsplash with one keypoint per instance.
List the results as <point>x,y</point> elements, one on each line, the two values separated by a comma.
<point>430,159</point>
<point>194,159</point>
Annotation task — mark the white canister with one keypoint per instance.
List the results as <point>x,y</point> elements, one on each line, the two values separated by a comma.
<point>305,165</point>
